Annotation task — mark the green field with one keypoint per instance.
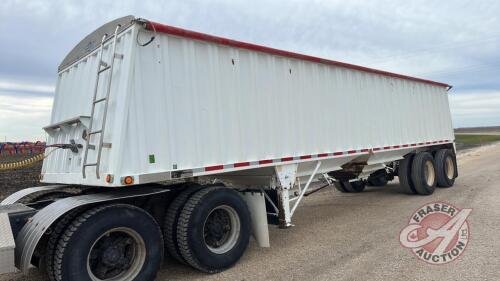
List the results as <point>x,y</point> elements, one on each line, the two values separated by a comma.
<point>476,139</point>
<point>469,141</point>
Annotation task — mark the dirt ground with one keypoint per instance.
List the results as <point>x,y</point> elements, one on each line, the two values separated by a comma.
<point>13,180</point>
<point>356,236</point>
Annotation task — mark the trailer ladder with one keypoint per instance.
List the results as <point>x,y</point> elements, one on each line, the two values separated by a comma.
<point>105,67</point>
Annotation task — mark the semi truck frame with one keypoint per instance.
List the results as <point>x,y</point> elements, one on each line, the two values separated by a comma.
<point>185,143</point>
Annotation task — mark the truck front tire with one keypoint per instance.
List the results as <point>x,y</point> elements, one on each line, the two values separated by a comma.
<point>213,229</point>
<point>116,241</point>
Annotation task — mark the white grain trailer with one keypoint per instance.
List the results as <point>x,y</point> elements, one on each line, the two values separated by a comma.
<point>235,132</point>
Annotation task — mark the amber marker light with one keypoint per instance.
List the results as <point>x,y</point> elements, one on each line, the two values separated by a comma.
<point>128,180</point>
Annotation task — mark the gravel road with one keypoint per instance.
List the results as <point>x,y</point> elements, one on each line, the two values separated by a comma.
<point>356,236</point>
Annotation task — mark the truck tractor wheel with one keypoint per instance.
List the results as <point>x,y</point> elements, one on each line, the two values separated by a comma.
<point>172,219</point>
<point>111,242</point>
<point>446,168</point>
<point>350,187</point>
<point>378,181</point>
<point>214,229</point>
<point>423,173</point>
<point>55,235</point>
<point>404,174</point>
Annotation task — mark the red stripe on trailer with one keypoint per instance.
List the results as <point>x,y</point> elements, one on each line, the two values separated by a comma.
<point>387,147</point>
<point>162,28</point>
<point>351,151</point>
<point>421,143</point>
<point>413,144</point>
<point>286,159</point>
<point>428,142</point>
<point>214,168</point>
<point>241,164</point>
<point>305,157</point>
<point>376,149</point>
<point>364,150</point>
<point>338,153</point>
<point>322,154</point>
<point>396,146</point>
<point>263,162</point>
<point>405,145</point>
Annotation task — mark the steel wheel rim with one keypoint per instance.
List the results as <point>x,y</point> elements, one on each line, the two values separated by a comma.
<point>136,251</point>
<point>450,168</point>
<point>429,173</point>
<point>221,229</point>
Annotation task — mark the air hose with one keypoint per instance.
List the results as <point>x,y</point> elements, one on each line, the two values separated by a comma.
<point>37,158</point>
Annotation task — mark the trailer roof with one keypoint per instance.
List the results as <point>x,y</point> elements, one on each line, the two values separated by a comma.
<point>162,28</point>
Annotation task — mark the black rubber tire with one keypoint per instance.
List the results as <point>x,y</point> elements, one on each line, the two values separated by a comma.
<point>418,173</point>
<point>440,159</point>
<point>55,235</point>
<point>190,230</point>
<point>404,174</point>
<point>350,187</point>
<point>70,261</point>
<point>378,181</point>
<point>172,219</point>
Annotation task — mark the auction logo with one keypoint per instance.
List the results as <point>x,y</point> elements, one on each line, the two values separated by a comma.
<point>437,232</point>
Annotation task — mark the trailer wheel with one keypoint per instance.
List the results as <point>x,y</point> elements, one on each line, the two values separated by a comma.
<point>172,219</point>
<point>423,173</point>
<point>350,187</point>
<point>446,168</point>
<point>404,174</point>
<point>214,229</point>
<point>378,181</point>
<point>112,242</point>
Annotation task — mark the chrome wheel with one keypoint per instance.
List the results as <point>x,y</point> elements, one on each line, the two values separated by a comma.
<point>118,254</point>
<point>221,229</point>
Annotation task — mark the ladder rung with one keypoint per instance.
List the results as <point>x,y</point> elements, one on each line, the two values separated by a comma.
<point>95,132</point>
<point>104,69</point>
<point>119,56</point>
<point>103,63</point>
<point>90,164</point>
<point>99,100</point>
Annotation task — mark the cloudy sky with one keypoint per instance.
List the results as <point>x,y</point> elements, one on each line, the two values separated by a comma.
<point>456,42</point>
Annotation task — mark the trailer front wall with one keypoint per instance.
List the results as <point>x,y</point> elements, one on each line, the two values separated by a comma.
<point>195,104</point>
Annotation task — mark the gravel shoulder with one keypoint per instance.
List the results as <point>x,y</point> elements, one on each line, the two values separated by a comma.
<point>355,236</point>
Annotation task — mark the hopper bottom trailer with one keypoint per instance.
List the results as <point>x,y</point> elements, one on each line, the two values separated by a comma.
<point>164,140</point>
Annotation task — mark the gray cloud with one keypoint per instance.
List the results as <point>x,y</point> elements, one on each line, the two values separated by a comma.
<point>454,42</point>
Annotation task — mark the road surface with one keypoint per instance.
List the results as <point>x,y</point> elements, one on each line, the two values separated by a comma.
<point>356,236</point>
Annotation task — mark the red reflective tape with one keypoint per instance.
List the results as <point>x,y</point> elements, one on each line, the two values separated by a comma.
<point>338,153</point>
<point>305,157</point>
<point>421,143</point>
<point>405,145</point>
<point>365,150</point>
<point>428,142</point>
<point>351,151</point>
<point>285,159</point>
<point>158,27</point>
<point>396,146</point>
<point>387,147</point>
<point>262,162</point>
<point>214,168</point>
<point>322,154</point>
<point>413,144</point>
<point>376,149</point>
<point>241,164</point>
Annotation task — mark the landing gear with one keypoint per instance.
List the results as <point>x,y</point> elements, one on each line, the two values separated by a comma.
<point>350,187</point>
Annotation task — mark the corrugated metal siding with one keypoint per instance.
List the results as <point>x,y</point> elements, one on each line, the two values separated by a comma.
<point>198,109</point>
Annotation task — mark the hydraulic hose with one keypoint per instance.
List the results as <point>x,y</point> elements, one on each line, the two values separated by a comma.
<point>26,162</point>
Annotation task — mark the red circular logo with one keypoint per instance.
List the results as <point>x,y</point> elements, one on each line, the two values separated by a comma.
<point>437,232</point>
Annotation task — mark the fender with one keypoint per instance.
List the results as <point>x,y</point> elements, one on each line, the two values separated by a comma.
<point>33,230</point>
<point>16,196</point>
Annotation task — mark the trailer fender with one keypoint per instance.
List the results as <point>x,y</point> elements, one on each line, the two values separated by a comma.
<point>33,230</point>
